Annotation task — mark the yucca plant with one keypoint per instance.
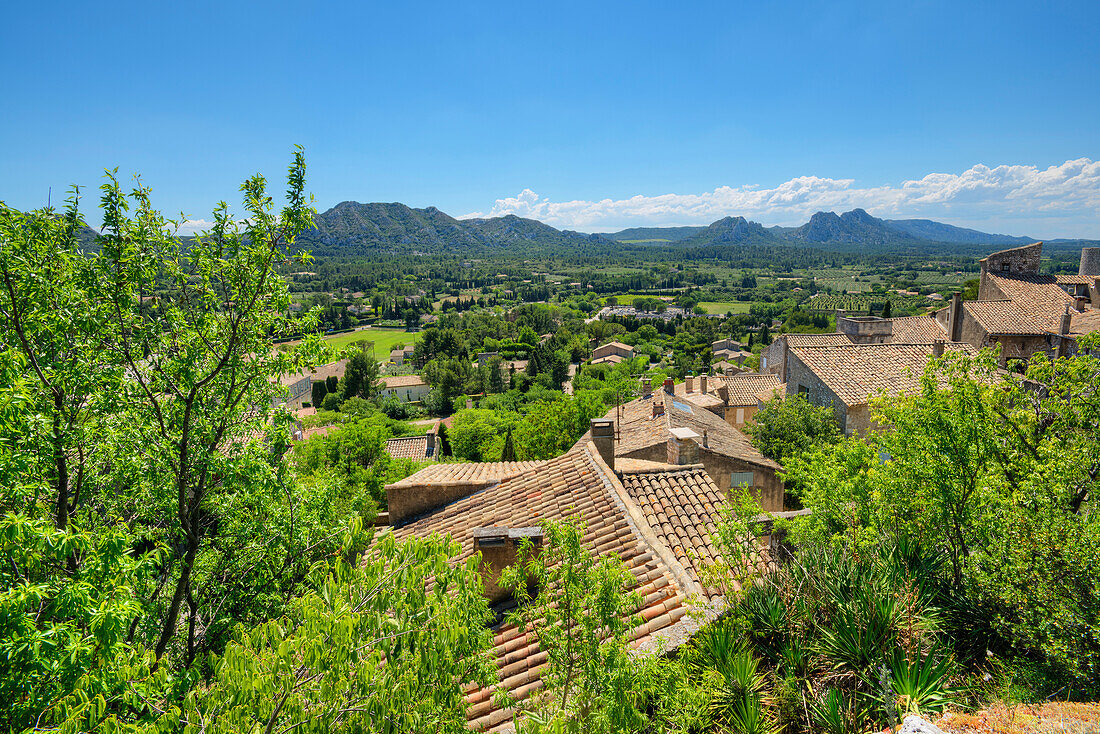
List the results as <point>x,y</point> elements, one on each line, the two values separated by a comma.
<point>739,700</point>
<point>922,684</point>
<point>860,634</point>
<point>836,713</point>
<point>766,612</point>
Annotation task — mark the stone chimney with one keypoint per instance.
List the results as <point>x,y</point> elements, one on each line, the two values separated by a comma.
<point>689,383</point>
<point>647,387</point>
<point>670,386</point>
<point>954,317</point>
<point>702,383</point>
<point>432,442</point>
<point>658,408</point>
<point>937,348</point>
<point>682,447</point>
<point>499,548</point>
<point>724,393</point>
<point>603,435</point>
<point>706,441</point>
<point>1080,303</point>
<point>1067,319</point>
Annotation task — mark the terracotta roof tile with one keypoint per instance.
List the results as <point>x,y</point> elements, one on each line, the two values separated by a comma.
<point>404,381</point>
<point>1031,290</point>
<point>408,447</point>
<point>745,387</point>
<point>915,329</point>
<point>856,372</point>
<point>683,506</point>
<point>474,473</point>
<point>575,485</point>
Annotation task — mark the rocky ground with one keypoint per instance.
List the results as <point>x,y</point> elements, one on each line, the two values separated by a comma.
<point>1075,718</point>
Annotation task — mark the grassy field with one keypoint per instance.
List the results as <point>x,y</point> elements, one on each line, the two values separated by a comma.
<point>724,307</point>
<point>384,340</point>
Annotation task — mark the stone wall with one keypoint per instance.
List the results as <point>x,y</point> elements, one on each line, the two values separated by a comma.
<point>865,329</point>
<point>412,500</point>
<point>768,489</point>
<point>1017,260</point>
<point>1090,261</point>
<point>801,378</point>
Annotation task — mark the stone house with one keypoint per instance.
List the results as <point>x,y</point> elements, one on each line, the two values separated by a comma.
<point>847,376</point>
<point>406,388</point>
<point>657,516</point>
<point>401,356</point>
<point>612,349</point>
<point>661,427</point>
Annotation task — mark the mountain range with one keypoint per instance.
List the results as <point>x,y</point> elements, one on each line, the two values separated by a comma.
<point>351,229</point>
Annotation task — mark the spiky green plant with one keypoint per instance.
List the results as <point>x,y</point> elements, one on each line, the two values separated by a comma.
<point>922,684</point>
<point>836,713</point>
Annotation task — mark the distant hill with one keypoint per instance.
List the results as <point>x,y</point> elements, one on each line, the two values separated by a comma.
<point>351,229</point>
<point>734,231</point>
<point>926,229</point>
<point>654,234</point>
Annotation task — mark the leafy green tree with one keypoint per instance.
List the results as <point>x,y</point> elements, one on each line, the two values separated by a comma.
<point>318,391</point>
<point>200,366</point>
<point>362,376</point>
<point>53,305</point>
<point>582,616</point>
<point>549,429</point>
<point>478,434</point>
<point>791,425</point>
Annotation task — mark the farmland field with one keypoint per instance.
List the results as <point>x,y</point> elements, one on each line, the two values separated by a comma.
<point>723,307</point>
<point>384,339</point>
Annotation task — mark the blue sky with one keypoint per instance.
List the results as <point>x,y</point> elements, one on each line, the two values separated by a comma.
<point>592,116</point>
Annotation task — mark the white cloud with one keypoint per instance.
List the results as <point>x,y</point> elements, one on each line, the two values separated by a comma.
<point>191,226</point>
<point>1059,201</point>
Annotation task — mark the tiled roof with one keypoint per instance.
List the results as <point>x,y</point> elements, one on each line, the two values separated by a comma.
<point>1075,279</point>
<point>915,330</point>
<point>681,504</point>
<point>1009,317</point>
<point>1083,323</point>
<point>1030,290</point>
<point>404,381</point>
<point>745,387</point>
<point>474,473</point>
<point>807,340</point>
<point>608,359</point>
<point>576,485</point>
<point>856,372</point>
<point>408,447</point>
<point>639,429</point>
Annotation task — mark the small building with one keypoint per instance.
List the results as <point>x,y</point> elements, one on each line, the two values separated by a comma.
<point>401,356</point>
<point>622,351</point>
<point>847,376</point>
<point>406,388</point>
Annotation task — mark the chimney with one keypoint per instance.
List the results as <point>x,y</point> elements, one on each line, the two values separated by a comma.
<point>670,386</point>
<point>1067,319</point>
<point>937,348</point>
<point>954,317</point>
<point>603,435</point>
<point>647,387</point>
<point>499,548</point>
<point>706,441</point>
<point>702,383</point>
<point>469,403</point>
<point>689,383</point>
<point>724,393</point>
<point>658,408</point>
<point>1080,303</point>
<point>681,446</point>
<point>431,436</point>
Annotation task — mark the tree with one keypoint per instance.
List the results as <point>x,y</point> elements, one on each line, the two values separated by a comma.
<point>332,382</point>
<point>791,425</point>
<point>53,306</point>
<point>550,428</point>
<point>362,377</point>
<point>886,310</point>
<point>318,391</point>
<point>582,616</point>
<point>199,366</point>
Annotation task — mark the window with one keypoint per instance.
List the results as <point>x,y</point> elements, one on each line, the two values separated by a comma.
<point>1004,267</point>
<point>740,415</point>
<point>803,390</point>
<point>742,479</point>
